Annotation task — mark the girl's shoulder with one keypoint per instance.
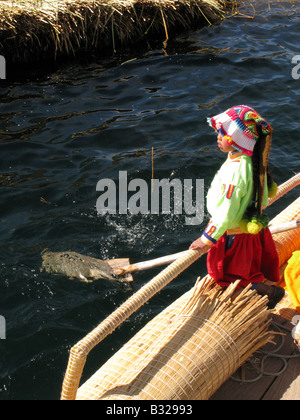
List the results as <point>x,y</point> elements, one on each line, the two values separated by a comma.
<point>237,170</point>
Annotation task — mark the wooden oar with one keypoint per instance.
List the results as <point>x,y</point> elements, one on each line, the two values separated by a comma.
<point>118,265</point>
<point>168,259</point>
<point>120,269</point>
<point>294,224</point>
<point>146,265</point>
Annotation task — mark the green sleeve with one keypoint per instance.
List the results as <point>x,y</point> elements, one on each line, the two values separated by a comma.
<point>228,198</point>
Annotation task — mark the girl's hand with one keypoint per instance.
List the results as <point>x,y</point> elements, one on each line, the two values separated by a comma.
<point>198,244</point>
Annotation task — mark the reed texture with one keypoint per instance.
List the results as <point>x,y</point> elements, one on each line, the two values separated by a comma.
<point>32,30</point>
<point>106,378</point>
<point>188,350</point>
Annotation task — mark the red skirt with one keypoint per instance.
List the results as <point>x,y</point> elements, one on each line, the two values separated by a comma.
<point>251,259</point>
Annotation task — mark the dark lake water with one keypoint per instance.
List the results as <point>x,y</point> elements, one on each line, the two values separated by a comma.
<point>62,132</point>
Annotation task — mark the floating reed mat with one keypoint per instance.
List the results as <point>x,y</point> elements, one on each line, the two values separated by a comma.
<point>32,30</point>
<point>189,350</point>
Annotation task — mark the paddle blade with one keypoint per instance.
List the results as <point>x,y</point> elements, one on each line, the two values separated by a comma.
<point>120,263</point>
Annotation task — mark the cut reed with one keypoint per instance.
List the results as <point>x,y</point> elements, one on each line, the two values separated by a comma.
<point>33,31</point>
<point>107,376</point>
<point>189,349</point>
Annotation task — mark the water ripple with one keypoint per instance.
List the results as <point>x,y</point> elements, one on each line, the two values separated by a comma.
<point>61,134</point>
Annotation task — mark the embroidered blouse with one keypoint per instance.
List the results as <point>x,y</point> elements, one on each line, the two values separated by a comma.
<point>229,196</point>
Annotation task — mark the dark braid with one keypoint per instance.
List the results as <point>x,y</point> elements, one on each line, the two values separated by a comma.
<point>256,170</point>
<point>260,168</point>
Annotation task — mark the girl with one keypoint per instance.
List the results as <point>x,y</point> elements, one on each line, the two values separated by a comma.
<point>241,244</point>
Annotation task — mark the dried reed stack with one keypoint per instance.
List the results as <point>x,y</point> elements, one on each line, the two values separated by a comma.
<point>32,30</point>
<point>188,350</point>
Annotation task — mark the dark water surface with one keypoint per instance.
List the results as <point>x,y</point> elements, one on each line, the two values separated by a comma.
<point>62,133</point>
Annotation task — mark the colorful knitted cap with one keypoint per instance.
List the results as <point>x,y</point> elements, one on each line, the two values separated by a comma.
<point>240,124</point>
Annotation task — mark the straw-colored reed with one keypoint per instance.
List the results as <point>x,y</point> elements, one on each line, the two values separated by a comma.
<point>289,241</point>
<point>36,30</point>
<point>108,376</point>
<point>188,350</point>
<point>192,347</point>
<point>286,243</point>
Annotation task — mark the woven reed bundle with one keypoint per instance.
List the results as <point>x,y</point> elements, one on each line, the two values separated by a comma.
<point>188,350</point>
<point>286,243</point>
<point>285,188</point>
<point>80,351</point>
<point>146,366</point>
<point>289,241</point>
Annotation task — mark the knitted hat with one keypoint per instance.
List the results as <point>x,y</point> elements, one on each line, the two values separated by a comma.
<point>240,124</point>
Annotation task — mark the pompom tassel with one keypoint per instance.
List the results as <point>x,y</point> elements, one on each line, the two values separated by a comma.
<point>254,225</point>
<point>273,190</point>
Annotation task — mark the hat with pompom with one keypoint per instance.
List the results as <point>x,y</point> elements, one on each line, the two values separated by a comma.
<point>242,125</point>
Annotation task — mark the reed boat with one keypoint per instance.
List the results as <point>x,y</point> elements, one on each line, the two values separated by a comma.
<point>193,347</point>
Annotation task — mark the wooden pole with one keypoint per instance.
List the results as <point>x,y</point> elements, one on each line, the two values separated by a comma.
<point>168,259</point>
